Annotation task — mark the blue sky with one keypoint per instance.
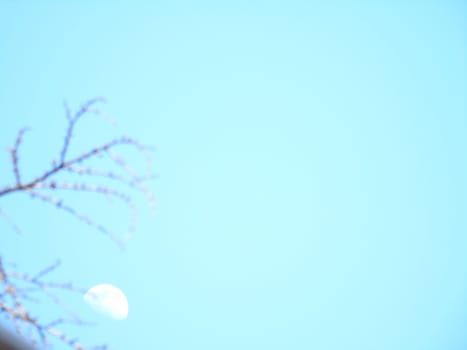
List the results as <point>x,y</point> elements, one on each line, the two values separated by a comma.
<point>311,157</point>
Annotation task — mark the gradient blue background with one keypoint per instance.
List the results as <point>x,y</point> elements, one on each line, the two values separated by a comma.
<point>311,157</point>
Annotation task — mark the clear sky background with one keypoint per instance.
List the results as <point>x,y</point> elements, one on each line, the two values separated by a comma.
<point>312,189</point>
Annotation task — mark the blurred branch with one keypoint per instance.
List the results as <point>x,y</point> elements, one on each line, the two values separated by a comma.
<point>10,221</point>
<point>84,173</point>
<point>17,288</point>
<point>49,179</point>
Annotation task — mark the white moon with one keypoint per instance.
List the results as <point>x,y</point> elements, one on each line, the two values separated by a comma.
<point>108,300</point>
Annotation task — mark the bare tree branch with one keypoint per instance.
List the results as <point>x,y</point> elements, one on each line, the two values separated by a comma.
<point>73,174</point>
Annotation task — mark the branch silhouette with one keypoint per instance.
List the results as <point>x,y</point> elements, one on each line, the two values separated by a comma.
<point>86,172</point>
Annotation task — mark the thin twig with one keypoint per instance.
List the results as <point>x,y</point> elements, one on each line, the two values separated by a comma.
<point>14,155</point>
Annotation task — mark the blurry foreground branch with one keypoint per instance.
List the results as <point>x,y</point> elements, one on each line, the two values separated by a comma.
<point>99,170</point>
